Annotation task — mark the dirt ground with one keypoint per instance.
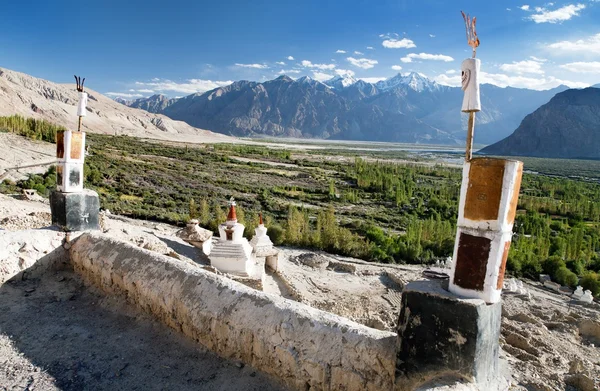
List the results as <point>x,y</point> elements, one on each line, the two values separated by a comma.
<point>23,152</point>
<point>56,334</point>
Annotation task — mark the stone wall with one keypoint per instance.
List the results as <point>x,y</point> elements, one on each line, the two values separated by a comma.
<point>305,347</point>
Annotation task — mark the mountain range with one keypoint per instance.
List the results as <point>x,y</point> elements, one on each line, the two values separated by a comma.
<point>566,127</point>
<point>404,108</point>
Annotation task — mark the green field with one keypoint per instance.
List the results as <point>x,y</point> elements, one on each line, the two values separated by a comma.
<point>389,206</point>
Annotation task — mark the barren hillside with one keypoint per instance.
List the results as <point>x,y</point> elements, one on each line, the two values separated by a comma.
<point>32,97</point>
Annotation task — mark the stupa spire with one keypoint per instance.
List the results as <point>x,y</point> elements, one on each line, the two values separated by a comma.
<point>232,217</point>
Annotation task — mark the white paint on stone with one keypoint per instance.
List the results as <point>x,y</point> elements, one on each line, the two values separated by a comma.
<point>232,253</point>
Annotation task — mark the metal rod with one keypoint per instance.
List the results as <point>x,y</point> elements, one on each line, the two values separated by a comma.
<point>79,127</point>
<point>470,131</point>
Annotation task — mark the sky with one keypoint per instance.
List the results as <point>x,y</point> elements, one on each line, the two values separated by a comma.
<point>131,48</point>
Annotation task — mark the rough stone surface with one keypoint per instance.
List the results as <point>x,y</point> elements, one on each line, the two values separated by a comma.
<point>75,211</point>
<point>441,335</point>
<point>29,253</point>
<point>305,347</point>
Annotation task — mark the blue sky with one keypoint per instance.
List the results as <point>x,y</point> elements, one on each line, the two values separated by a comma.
<point>136,48</point>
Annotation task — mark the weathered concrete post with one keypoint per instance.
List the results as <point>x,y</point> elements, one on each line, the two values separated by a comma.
<point>73,208</point>
<point>453,332</point>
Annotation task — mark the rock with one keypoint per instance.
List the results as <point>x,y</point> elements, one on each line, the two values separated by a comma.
<point>590,330</point>
<point>581,382</point>
<point>525,318</point>
<point>576,366</point>
<point>316,261</point>
<point>173,254</point>
<point>193,233</point>
<point>522,343</point>
<point>151,243</point>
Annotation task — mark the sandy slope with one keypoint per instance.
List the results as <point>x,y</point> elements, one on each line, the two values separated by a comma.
<point>32,97</point>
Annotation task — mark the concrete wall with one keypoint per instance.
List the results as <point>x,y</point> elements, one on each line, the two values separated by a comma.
<point>305,347</point>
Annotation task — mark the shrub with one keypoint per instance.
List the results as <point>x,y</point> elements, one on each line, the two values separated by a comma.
<point>566,277</point>
<point>591,281</point>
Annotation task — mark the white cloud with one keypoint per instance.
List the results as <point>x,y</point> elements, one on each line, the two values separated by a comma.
<point>450,71</point>
<point>370,48</point>
<point>393,43</point>
<point>288,71</point>
<point>534,58</point>
<point>558,15</point>
<point>508,9</point>
<point>396,67</point>
<point>372,80</point>
<point>145,91</point>
<point>358,53</point>
<point>290,58</point>
<point>255,66</point>
<point>431,35</point>
<point>320,76</point>
<point>340,51</point>
<point>190,86</point>
<point>426,56</point>
<point>590,45</point>
<point>582,67</point>
<point>502,80</point>
<point>308,64</point>
<point>524,7</point>
<point>521,67</point>
<point>363,63</point>
<point>541,83</point>
<point>452,81</point>
<point>123,95</point>
<point>389,35</point>
<point>344,72</point>
<point>280,63</point>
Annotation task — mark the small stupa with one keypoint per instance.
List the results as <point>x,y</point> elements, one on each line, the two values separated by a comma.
<point>263,246</point>
<point>232,253</point>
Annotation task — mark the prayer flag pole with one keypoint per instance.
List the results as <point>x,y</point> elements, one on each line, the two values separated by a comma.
<point>470,70</point>
<point>81,106</point>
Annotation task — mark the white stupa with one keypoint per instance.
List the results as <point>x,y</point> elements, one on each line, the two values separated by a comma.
<point>232,253</point>
<point>261,241</point>
<point>263,246</point>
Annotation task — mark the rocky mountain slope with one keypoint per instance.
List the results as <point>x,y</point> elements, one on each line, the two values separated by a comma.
<point>404,108</point>
<point>566,127</point>
<point>33,97</point>
<point>154,104</point>
<point>298,108</point>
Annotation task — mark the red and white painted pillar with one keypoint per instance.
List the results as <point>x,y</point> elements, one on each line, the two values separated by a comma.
<point>488,204</point>
<point>70,152</point>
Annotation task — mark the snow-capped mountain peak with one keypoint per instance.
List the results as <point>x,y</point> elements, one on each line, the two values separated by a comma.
<point>412,80</point>
<point>339,81</point>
